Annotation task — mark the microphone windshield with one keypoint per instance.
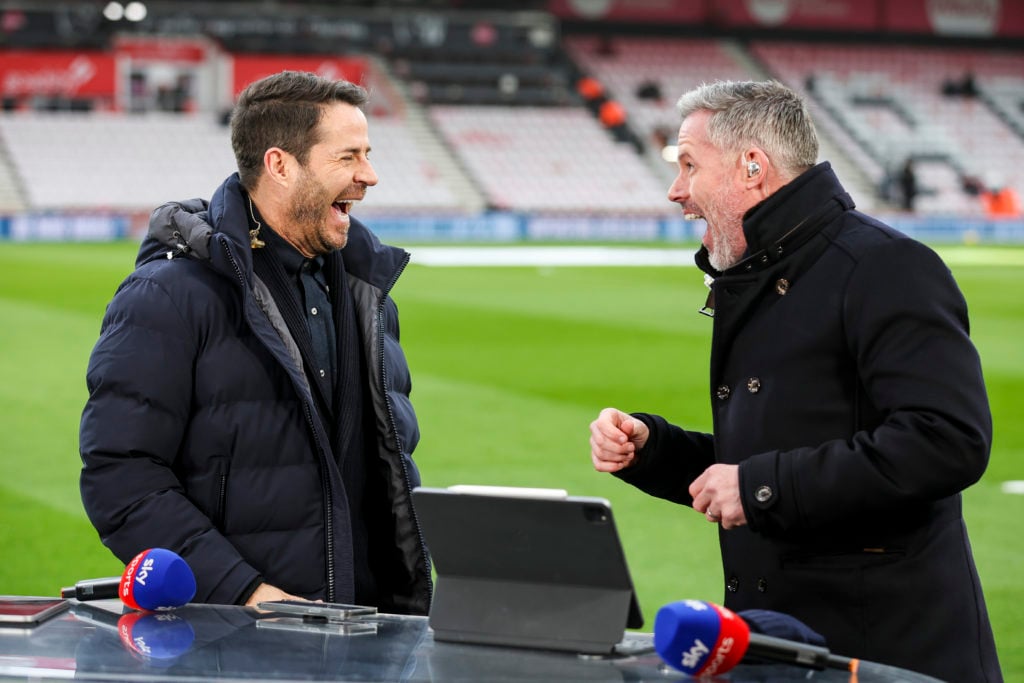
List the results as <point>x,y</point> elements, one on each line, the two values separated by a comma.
<point>700,638</point>
<point>162,637</point>
<point>157,579</point>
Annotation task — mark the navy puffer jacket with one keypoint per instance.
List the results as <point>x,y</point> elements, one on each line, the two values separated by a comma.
<point>200,434</point>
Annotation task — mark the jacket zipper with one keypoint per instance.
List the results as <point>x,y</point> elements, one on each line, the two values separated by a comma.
<point>328,503</point>
<point>327,493</point>
<point>221,503</point>
<point>392,422</point>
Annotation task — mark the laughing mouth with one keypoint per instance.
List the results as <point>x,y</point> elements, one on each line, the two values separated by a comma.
<point>345,206</point>
<point>691,213</point>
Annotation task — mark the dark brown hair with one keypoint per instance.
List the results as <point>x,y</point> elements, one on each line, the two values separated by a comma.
<point>283,110</point>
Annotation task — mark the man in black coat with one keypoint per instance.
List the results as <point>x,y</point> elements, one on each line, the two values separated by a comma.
<point>248,397</point>
<point>848,403</point>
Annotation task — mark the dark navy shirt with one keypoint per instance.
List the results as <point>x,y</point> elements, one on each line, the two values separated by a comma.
<point>311,287</point>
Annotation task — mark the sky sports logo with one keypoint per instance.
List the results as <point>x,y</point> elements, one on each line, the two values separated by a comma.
<point>147,567</point>
<point>130,573</point>
<point>692,660</point>
<point>695,655</point>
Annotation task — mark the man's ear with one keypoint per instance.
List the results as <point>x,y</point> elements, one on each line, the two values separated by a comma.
<point>754,163</point>
<point>279,165</point>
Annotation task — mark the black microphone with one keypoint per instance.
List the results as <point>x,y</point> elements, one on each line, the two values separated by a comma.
<point>790,652</point>
<point>703,639</point>
<point>93,589</point>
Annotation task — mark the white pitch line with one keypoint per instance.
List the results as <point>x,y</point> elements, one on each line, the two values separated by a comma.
<point>643,256</point>
<point>1014,487</point>
<point>975,255</point>
<point>550,256</point>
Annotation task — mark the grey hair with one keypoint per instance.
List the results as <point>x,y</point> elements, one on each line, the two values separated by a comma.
<point>762,113</point>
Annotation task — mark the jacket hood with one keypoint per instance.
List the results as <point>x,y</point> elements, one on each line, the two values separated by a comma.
<point>186,228</point>
<point>177,228</point>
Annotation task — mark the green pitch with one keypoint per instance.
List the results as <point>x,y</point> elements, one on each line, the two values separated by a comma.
<point>510,365</point>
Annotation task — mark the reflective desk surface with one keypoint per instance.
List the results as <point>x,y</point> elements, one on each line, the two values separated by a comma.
<point>95,641</point>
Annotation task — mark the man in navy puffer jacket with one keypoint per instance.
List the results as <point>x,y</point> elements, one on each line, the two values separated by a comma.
<point>248,398</point>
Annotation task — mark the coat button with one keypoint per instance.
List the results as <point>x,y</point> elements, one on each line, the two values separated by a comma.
<point>762,585</point>
<point>763,494</point>
<point>782,286</point>
<point>722,392</point>
<point>733,584</point>
<point>753,385</point>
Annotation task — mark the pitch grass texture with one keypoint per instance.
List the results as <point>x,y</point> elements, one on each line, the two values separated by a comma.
<point>510,365</point>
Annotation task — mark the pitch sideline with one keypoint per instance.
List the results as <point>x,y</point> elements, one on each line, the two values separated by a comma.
<point>562,256</point>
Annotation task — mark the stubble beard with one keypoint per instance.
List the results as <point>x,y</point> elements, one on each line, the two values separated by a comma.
<point>308,213</point>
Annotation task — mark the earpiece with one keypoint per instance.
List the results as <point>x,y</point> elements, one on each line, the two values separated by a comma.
<point>753,168</point>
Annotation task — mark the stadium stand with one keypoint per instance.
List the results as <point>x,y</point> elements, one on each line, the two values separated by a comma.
<point>464,73</point>
<point>630,66</point>
<point>133,162</point>
<point>11,200</point>
<point>474,112</point>
<point>890,103</point>
<point>417,173</point>
<point>109,160</point>
<point>667,66</point>
<point>1005,95</point>
<point>549,159</point>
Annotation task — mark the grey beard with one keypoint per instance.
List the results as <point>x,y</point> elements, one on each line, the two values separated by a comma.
<point>725,255</point>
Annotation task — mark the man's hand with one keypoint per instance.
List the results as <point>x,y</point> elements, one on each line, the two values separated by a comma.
<point>716,493</point>
<point>267,593</point>
<point>615,438</point>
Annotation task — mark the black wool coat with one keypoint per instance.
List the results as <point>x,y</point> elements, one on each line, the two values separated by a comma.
<point>846,388</point>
